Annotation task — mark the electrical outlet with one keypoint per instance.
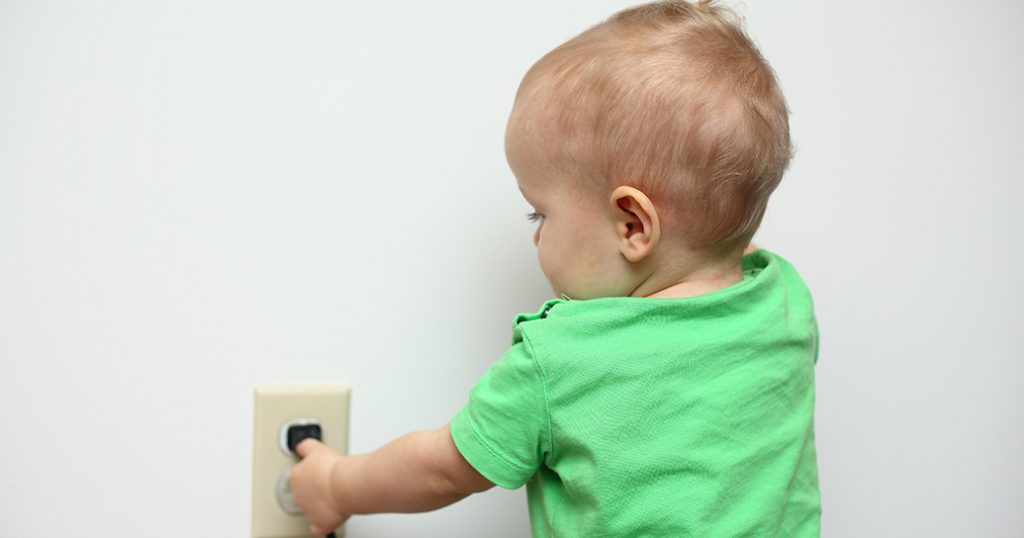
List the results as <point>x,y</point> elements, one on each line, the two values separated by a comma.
<point>319,409</point>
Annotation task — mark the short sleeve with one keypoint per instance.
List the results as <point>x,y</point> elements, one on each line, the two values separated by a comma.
<point>504,429</point>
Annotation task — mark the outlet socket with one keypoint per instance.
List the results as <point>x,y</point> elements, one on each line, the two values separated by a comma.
<point>275,406</point>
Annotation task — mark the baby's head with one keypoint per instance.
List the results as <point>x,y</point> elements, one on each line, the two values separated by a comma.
<point>650,144</point>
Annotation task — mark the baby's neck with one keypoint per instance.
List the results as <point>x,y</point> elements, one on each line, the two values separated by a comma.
<point>691,288</point>
<point>692,282</point>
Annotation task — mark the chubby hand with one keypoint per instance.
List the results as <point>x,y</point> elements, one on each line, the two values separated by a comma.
<point>311,486</point>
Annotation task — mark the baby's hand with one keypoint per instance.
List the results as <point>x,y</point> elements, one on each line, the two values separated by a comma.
<point>311,486</point>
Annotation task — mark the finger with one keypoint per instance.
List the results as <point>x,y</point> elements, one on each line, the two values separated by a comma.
<point>306,446</point>
<point>316,531</point>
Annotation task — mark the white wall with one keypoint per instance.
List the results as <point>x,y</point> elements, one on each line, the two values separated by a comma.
<point>196,197</point>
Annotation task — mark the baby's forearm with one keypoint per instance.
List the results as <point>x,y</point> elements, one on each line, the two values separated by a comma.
<point>405,475</point>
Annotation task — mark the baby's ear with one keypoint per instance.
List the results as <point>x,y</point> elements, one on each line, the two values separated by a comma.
<point>636,223</point>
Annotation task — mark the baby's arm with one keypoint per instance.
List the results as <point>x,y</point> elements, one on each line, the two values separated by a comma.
<point>417,472</point>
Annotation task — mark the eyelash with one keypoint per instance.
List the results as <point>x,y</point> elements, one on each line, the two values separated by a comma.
<point>534,216</point>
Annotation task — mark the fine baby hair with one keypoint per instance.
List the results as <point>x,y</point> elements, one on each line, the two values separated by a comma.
<point>672,98</point>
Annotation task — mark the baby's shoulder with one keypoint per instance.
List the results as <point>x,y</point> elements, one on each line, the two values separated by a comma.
<point>563,331</point>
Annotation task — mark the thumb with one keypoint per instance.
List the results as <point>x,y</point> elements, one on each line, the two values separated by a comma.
<point>306,446</point>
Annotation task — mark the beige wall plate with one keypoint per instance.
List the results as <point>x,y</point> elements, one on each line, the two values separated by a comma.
<point>275,406</point>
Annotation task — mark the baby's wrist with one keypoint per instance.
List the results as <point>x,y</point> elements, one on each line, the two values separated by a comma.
<point>338,483</point>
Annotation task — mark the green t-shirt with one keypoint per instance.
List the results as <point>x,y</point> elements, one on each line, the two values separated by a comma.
<point>640,416</point>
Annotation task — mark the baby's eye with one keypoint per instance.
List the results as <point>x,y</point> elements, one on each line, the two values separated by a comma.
<point>534,216</point>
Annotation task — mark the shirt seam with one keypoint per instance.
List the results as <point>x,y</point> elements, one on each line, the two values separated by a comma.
<point>491,450</point>
<point>544,389</point>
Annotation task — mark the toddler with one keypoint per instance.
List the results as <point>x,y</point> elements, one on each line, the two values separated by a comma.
<point>669,389</point>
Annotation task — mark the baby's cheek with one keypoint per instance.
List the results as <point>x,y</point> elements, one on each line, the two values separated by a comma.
<point>547,264</point>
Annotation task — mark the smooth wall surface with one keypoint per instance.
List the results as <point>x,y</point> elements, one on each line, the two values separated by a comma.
<point>198,197</point>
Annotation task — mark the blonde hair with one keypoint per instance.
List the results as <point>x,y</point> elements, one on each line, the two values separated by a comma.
<point>674,99</point>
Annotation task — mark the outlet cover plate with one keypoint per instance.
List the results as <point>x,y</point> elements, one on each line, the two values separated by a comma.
<point>274,406</point>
